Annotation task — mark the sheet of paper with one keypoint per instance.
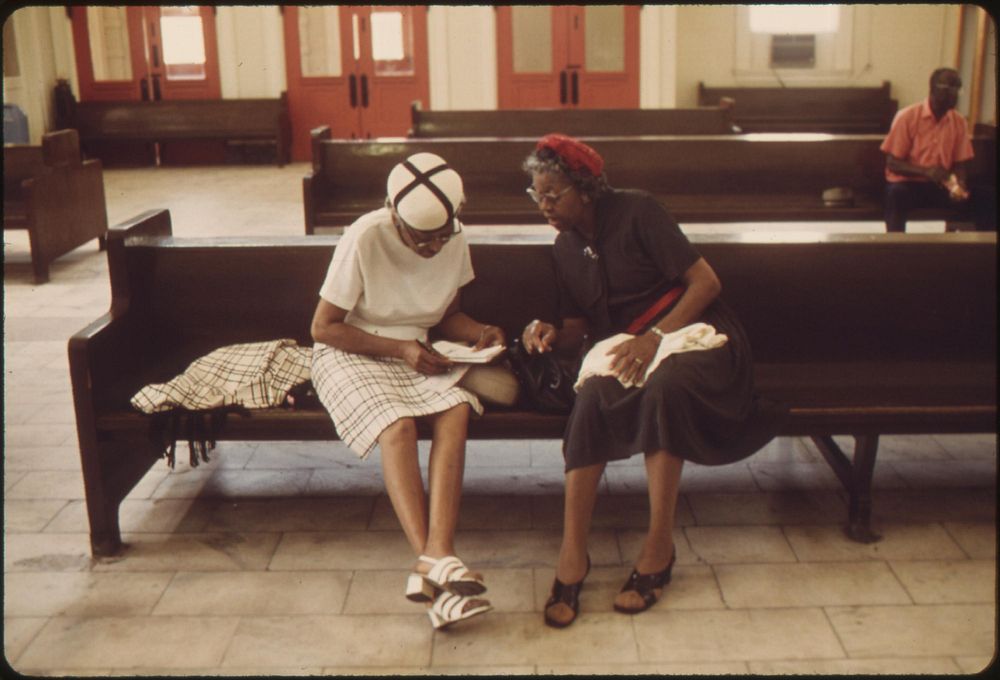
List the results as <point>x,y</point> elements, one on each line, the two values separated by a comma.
<point>466,355</point>
<point>442,381</point>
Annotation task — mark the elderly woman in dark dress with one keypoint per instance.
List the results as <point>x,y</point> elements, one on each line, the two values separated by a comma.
<point>623,265</point>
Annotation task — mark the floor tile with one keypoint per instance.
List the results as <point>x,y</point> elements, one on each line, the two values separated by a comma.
<point>46,552</point>
<point>295,455</point>
<point>519,549</point>
<point>610,512</point>
<point>192,552</point>
<point>741,635</point>
<point>500,639</point>
<point>631,479</point>
<point>290,514</point>
<point>18,632</point>
<point>56,484</point>
<point>785,507</point>
<point>899,541</point>
<point>756,586</point>
<point>788,450</point>
<point>385,671</point>
<point>941,630</point>
<point>342,550</point>
<point>930,505</point>
<point>935,474</point>
<point>252,593</point>
<point>139,516</point>
<point>476,512</point>
<point>29,515</point>
<point>130,642</point>
<point>235,484</point>
<point>385,640</point>
<point>82,594</point>
<point>498,453</point>
<point>375,591</point>
<point>639,669</point>
<point>948,582</point>
<point>858,667</point>
<point>972,665</point>
<point>977,539</point>
<point>497,481</point>
<point>30,458</point>
<point>964,446</point>
<point>722,545</point>
<point>364,480</point>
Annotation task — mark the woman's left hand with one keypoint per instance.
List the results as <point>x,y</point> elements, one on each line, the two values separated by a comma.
<point>490,336</point>
<point>631,358</point>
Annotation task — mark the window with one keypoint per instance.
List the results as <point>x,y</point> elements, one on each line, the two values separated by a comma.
<point>802,43</point>
<point>183,39</point>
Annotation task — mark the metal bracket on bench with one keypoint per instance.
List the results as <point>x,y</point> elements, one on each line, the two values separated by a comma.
<point>857,479</point>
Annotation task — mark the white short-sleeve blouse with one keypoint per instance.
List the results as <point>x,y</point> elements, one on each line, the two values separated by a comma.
<point>388,289</point>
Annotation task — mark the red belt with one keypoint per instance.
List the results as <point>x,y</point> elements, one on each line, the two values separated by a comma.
<point>655,309</point>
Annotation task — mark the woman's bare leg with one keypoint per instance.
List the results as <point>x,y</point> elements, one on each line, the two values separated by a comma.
<point>403,483</point>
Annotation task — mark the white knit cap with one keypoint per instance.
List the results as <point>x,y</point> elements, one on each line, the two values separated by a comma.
<point>425,191</point>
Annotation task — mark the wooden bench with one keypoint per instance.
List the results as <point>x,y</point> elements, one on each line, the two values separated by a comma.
<point>806,109</point>
<point>54,194</point>
<point>709,178</point>
<point>130,129</point>
<point>841,331</point>
<point>706,120</point>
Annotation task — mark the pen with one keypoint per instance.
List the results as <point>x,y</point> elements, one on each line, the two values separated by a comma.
<point>427,346</point>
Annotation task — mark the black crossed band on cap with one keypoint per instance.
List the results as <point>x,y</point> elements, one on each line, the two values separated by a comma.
<point>423,178</point>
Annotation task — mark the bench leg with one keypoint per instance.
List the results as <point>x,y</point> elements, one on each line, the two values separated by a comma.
<point>857,479</point>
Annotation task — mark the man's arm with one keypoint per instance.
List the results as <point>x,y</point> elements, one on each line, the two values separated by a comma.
<point>935,173</point>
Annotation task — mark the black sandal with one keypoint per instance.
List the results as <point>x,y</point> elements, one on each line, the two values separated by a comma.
<point>645,585</point>
<point>567,594</point>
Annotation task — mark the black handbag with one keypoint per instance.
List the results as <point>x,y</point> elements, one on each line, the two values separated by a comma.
<point>546,381</point>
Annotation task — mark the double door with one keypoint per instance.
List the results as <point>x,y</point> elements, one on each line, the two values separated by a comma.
<point>355,69</point>
<point>568,56</point>
<point>145,53</point>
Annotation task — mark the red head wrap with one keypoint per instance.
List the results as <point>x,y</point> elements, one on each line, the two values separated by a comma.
<point>577,155</point>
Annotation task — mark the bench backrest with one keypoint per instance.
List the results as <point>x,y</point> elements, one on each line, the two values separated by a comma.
<point>710,164</point>
<point>814,109</point>
<point>706,120</point>
<point>248,116</point>
<point>24,161</point>
<point>884,297</point>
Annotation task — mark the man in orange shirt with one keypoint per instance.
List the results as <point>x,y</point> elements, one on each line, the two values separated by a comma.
<point>926,150</point>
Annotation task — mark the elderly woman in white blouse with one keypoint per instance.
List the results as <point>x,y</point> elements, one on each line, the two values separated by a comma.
<point>396,273</point>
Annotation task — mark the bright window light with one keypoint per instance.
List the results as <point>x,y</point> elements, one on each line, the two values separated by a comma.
<point>794,19</point>
<point>182,40</point>
<point>387,36</point>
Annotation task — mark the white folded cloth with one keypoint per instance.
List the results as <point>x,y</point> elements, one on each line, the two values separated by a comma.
<point>697,336</point>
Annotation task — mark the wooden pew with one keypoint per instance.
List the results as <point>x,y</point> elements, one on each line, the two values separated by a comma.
<point>130,129</point>
<point>55,195</point>
<point>706,120</point>
<point>806,109</point>
<point>839,333</point>
<point>709,178</point>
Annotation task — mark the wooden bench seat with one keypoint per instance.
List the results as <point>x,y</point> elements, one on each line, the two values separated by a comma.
<point>841,331</point>
<point>704,120</point>
<point>103,125</point>
<point>54,195</point>
<point>710,178</point>
<point>842,110</point>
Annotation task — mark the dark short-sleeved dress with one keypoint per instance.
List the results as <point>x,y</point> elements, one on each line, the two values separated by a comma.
<point>700,406</point>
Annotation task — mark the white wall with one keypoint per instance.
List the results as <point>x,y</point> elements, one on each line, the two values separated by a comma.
<point>251,51</point>
<point>40,65</point>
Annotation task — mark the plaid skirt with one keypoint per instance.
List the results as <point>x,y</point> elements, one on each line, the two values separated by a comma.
<point>365,395</point>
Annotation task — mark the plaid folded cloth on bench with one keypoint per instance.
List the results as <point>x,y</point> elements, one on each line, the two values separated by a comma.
<point>252,375</point>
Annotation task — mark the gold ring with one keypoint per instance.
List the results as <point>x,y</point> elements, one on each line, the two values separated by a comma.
<point>637,360</point>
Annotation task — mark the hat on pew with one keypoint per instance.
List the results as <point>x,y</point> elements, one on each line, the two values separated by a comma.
<point>425,191</point>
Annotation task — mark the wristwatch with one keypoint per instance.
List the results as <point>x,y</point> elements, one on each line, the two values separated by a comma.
<point>657,331</point>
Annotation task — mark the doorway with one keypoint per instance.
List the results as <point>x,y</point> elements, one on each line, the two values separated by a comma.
<point>568,56</point>
<point>355,69</point>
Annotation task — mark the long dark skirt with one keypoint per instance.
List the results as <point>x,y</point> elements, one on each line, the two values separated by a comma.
<point>700,406</point>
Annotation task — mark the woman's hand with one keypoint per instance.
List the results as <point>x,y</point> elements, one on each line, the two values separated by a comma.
<point>539,336</point>
<point>631,358</point>
<point>490,336</point>
<point>423,361</point>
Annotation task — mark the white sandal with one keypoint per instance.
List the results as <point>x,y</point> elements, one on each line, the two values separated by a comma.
<point>449,608</point>
<point>446,574</point>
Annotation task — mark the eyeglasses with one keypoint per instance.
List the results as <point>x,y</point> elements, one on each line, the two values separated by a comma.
<point>551,198</point>
<point>419,238</point>
<point>948,86</point>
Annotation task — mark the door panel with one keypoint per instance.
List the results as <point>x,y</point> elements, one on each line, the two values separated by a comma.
<point>355,69</point>
<point>146,53</point>
<point>568,56</point>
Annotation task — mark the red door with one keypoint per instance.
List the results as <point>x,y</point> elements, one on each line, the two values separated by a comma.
<point>355,69</point>
<point>568,56</point>
<point>146,53</point>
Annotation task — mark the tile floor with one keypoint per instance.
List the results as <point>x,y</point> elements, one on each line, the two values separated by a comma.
<point>286,559</point>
